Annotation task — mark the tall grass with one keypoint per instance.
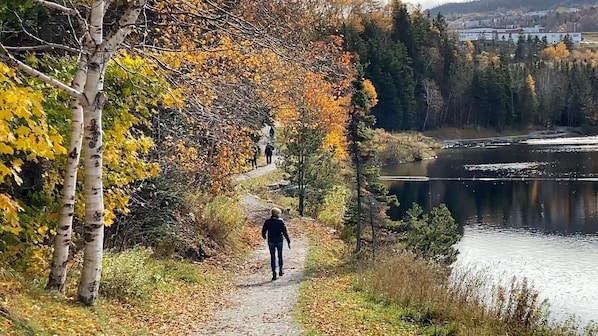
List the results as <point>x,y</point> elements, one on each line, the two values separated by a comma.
<point>403,147</point>
<point>132,276</point>
<point>459,303</point>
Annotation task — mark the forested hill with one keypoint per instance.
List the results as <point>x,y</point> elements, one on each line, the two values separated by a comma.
<point>480,6</point>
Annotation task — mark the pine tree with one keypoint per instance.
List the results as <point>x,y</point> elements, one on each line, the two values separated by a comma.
<point>310,167</point>
<point>371,197</point>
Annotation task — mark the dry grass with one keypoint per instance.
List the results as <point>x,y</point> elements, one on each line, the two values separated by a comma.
<point>434,300</point>
<point>400,294</point>
<point>139,294</point>
<point>403,147</point>
<point>590,38</point>
<point>449,133</point>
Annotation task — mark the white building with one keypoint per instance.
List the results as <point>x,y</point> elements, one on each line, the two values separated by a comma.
<point>497,34</point>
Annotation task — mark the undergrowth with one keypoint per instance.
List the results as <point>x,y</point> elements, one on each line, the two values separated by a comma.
<point>141,292</point>
<point>401,294</point>
<point>403,147</point>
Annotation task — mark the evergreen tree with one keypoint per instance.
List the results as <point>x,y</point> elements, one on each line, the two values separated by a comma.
<point>371,197</point>
<point>432,236</point>
<point>309,166</point>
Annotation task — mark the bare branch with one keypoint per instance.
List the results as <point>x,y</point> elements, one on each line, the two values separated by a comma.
<point>44,46</point>
<point>12,61</point>
<point>30,48</point>
<point>44,42</point>
<point>125,24</point>
<point>58,7</point>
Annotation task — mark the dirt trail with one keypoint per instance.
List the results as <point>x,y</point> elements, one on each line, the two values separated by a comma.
<point>259,306</point>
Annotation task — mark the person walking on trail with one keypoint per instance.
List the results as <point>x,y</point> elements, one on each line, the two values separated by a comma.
<point>271,131</point>
<point>256,153</point>
<point>269,150</point>
<point>275,229</point>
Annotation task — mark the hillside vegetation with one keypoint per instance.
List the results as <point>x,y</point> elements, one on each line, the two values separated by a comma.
<point>502,5</point>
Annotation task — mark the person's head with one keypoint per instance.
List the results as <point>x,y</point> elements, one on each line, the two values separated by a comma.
<point>276,212</point>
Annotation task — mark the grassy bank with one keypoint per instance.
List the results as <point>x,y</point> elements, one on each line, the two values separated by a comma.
<point>404,147</point>
<point>402,295</point>
<point>450,133</point>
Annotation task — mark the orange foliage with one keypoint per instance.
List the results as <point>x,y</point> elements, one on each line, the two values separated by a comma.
<point>556,52</point>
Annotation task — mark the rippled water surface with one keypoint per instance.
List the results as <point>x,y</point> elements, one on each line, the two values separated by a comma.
<point>563,269</point>
<point>529,210</point>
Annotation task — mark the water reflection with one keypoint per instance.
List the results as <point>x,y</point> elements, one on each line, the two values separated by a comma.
<point>547,206</point>
<point>561,268</point>
<point>538,188</point>
<point>527,210</point>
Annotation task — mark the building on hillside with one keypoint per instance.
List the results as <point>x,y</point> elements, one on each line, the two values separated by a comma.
<point>512,34</point>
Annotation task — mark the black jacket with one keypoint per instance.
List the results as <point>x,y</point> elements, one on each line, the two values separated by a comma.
<point>275,229</point>
<point>269,149</point>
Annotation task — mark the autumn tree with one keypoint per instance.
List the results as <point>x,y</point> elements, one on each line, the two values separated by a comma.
<point>370,196</point>
<point>99,31</point>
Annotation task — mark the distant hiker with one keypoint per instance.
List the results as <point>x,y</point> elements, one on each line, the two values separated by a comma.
<point>269,150</point>
<point>256,153</point>
<point>271,131</point>
<point>274,228</point>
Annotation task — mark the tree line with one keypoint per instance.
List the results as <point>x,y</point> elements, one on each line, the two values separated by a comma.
<point>426,79</point>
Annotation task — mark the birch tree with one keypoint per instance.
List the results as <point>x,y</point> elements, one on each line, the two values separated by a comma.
<point>96,48</point>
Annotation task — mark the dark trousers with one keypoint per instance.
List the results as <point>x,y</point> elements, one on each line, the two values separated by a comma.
<point>268,158</point>
<point>273,248</point>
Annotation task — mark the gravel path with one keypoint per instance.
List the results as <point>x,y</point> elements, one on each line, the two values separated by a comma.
<point>259,306</point>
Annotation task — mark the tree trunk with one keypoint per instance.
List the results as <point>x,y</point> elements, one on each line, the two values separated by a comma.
<point>372,226</point>
<point>101,51</point>
<point>301,184</point>
<point>62,239</point>
<point>359,195</point>
<point>93,231</point>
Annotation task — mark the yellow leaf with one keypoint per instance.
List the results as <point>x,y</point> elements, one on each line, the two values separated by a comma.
<point>4,149</point>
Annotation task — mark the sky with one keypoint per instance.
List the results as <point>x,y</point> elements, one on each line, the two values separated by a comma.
<point>426,4</point>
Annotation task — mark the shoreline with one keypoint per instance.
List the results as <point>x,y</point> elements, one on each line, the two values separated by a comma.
<point>559,132</point>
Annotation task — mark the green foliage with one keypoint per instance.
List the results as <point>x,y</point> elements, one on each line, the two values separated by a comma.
<point>133,275</point>
<point>432,236</point>
<point>218,217</point>
<point>311,169</point>
<point>130,276</point>
<point>370,198</point>
<point>334,206</point>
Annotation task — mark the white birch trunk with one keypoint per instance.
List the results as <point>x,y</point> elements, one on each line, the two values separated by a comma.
<point>101,52</point>
<point>62,239</point>
<point>93,230</point>
<point>98,52</point>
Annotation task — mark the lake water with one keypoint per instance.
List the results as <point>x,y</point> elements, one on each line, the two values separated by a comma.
<point>528,209</point>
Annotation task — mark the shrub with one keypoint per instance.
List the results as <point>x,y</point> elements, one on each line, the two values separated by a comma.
<point>130,276</point>
<point>219,218</point>
<point>403,147</point>
<point>333,211</point>
<point>432,236</point>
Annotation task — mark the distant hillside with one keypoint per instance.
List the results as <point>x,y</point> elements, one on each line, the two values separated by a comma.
<point>482,6</point>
